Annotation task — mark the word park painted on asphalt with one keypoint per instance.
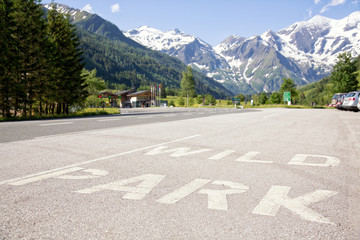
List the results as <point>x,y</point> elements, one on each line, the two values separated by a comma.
<point>269,205</point>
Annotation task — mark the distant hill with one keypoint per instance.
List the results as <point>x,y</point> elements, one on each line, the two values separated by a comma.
<point>120,60</point>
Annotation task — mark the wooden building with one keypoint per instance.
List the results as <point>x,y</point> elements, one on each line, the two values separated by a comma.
<point>124,98</point>
<point>140,99</point>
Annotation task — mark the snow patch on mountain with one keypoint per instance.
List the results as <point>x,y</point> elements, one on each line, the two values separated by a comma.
<point>158,40</point>
<point>188,48</point>
<point>72,12</point>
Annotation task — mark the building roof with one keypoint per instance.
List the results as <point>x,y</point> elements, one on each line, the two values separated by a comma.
<point>107,92</point>
<point>125,92</point>
<point>139,93</point>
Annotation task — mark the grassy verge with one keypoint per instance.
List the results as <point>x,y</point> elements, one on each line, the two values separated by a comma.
<point>287,106</point>
<point>224,104</point>
<point>82,113</point>
<point>219,103</point>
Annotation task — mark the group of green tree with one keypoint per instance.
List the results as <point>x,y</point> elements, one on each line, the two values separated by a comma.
<point>345,77</point>
<point>41,61</point>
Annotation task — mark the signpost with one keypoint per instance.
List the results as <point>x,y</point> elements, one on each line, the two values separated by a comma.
<point>236,101</point>
<point>287,97</point>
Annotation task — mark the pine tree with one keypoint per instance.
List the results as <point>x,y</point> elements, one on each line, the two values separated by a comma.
<point>31,41</point>
<point>66,62</point>
<point>263,98</point>
<point>163,91</point>
<point>8,56</point>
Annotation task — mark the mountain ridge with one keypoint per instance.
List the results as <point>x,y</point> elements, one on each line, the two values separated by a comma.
<point>121,60</point>
<point>304,51</point>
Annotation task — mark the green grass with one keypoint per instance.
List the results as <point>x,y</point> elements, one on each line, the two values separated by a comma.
<point>286,106</point>
<point>83,113</point>
<point>223,104</point>
<point>219,103</point>
<point>97,110</point>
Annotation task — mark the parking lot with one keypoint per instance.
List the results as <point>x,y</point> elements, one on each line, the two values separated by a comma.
<point>346,101</point>
<point>264,174</point>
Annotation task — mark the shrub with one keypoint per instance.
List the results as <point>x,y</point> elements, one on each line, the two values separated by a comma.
<point>171,103</point>
<point>181,101</point>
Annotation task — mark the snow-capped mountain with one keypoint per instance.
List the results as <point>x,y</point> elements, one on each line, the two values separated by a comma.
<point>321,39</point>
<point>304,51</point>
<point>188,48</point>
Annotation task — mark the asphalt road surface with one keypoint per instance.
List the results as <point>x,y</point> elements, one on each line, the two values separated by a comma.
<point>14,131</point>
<point>183,174</point>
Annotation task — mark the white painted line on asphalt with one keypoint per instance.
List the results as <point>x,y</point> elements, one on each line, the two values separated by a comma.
<point>97,160</point>
<point>187,114</point>
<point>277,196</point>
<point>299,159</point>
<point>221,155</point>
<point>108,120</point>
<point>45,176</point>
<point>145,117</point>
<point>248,157</point>
<point>184,191</point>
<point>54,124</point>
<point>95,173</point>
<point>201,113</point>
<point>217,199</point>
<point>147,183</point>
<point>176,152</point>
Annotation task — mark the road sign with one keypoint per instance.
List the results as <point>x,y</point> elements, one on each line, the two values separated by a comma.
<point>287,96</point>
<point>236,100</point>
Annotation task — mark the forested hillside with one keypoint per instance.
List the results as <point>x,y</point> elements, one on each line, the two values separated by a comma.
<point>122,61</point>
<point>119,63</point>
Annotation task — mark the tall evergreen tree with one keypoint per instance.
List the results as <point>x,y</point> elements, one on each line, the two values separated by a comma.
<point>163,91</point>
<point>8,56</point>
<point>66,62</point>
<point>31,41</point>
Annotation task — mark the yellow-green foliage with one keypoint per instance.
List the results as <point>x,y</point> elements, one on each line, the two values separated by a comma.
<point>96,110</point>
<point>320,92</point>
<point>219,102</point>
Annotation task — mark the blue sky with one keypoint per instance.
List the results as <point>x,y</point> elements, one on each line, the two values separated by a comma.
<point>213,20</point>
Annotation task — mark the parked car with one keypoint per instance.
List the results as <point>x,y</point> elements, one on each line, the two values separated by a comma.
<point>340,102</point>
<point>351,101</point>
<point>336,99</point>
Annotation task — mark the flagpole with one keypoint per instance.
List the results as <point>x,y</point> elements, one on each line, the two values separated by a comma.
<point>160,95</point>
<point>152,93</point>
